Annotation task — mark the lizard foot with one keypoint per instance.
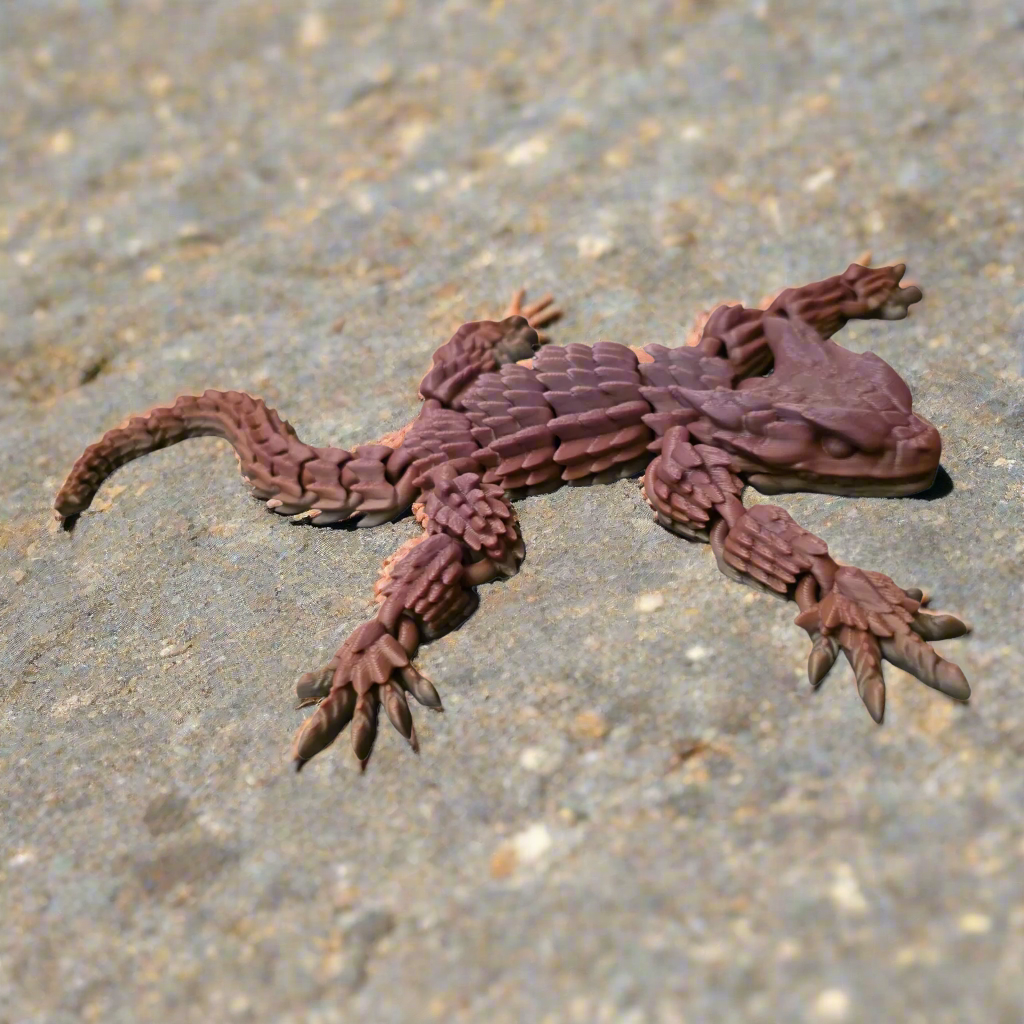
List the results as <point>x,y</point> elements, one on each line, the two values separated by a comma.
<point>371,669</point>
<point>871,620</point>
<point>537,314</point>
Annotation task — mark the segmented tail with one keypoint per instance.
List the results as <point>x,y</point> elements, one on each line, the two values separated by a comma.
<point>292,477</point>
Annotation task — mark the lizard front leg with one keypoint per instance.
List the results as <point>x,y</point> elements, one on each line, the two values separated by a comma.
<point>482,346</point>
<point>537,314</point>
<point>860,612</point>
<point>426,589</point>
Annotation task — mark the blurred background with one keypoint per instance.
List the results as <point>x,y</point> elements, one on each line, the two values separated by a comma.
<point>634,810</point>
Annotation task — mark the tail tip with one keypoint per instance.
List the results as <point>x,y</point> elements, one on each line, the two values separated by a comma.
<point>67,518</point>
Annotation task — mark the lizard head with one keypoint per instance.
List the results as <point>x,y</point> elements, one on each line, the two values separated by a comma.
<point>826,420</point>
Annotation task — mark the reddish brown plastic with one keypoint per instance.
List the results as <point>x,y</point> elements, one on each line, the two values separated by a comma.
<point>764,397</point>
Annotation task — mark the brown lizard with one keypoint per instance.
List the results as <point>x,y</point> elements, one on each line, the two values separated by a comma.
<point>759,396</point>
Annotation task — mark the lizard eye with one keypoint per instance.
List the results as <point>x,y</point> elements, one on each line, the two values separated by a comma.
<point>837,447</point>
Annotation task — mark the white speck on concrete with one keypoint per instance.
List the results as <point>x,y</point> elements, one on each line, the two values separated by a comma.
<point>539,760</point>
<point>973,923</point>
<point>532,843</point>
<point>845,891</point>
<point>312,32</point>
<point>527,152</point>
<point>593,247</point>
<point>649,602</point>
<point>819,179</point>
<point>833,1004</point>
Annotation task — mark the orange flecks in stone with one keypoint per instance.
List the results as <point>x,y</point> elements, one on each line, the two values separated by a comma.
<point>395,438</point>
<point>590,725</point>
<point>503,861</point>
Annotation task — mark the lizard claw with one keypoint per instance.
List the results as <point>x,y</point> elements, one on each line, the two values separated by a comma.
<point>879,294</point>
<point>824,651</point>
<point>371,670</point>
<point>938,626</point>
<point>871,620</point>
<point>313,687</point>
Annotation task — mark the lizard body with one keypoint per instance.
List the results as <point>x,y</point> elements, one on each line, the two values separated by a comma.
<point>761,396</point>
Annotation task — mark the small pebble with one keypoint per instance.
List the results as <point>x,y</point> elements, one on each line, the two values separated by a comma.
<point>525,847</point>
<point>874,222</point>
<point>649,602</point>
<point>532,843</point>
<point>832,1004</point>
<point>593,247</point>
<point>527,152</point>
<point>312,33</point>
<point>819,179</point>
<point>974,923</point>
<point>503,861</point>
<point>159,84</point>
<point>539,760</point>
<point>846,892</point>
<point>590,725</point>
<point>62,142</point>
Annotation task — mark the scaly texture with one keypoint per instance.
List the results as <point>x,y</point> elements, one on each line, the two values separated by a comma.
<point>422,596</point>
<point>859,293</point>
<point>476,514</point>
<point>763,397</point>
<point>686,483</point>
<point>290,476</point>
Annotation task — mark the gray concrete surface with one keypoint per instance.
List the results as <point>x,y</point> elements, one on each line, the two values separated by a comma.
<point>634,810</point>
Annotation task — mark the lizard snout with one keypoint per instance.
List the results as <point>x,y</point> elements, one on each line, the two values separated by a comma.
<point>927,441</point>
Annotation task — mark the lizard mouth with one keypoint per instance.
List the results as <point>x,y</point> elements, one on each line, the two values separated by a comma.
<point>909,467</point>
<point>852,487</point>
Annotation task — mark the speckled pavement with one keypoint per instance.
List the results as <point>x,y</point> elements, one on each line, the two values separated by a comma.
<point>634,809</point>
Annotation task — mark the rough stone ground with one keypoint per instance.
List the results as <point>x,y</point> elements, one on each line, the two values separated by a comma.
<point>634,810</point>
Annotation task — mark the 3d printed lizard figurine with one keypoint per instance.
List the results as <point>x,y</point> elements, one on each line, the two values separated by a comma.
<point>760,394</point>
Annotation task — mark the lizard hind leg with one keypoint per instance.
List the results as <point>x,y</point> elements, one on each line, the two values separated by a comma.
<point>859,293</point>
<point>426,589</point>
<point>422,595</point>
<point>372,667</point>
<point>538,314</point>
